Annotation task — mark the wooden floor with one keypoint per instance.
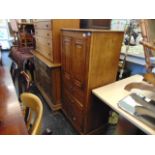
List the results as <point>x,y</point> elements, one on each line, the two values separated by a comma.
<point>55,121</point>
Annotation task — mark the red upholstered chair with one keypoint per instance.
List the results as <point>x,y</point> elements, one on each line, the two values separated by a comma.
<point>21,52</point>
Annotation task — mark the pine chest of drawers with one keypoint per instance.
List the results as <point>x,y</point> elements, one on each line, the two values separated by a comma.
<point>48,57</point>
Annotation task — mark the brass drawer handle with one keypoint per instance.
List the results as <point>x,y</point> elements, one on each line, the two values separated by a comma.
<point>47,25</point>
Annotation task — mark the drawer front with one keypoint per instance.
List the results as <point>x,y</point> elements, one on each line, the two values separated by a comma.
<point>44,42</point>
<point>45,51</point>
<point>44,46</point>
<point>43,25</point>
<point>43,33</point>
<point>74,110</point>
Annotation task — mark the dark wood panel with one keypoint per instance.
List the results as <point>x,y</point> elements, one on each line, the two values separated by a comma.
<point>95,23</point>
<point>48,82</point>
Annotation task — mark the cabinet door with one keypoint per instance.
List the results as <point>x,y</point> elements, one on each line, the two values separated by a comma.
<point>78,67</point>
<point>66,62</point>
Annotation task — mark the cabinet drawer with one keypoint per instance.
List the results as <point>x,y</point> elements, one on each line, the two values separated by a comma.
<point>46,52</point>
<point>44,42</point>
<point>73,109</point>
<point>43,25</point>
<point>44,46</point>
<point>43,33</point>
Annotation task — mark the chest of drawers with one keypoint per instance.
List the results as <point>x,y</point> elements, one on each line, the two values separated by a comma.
<point>47,34</point>
<point>48,57</point>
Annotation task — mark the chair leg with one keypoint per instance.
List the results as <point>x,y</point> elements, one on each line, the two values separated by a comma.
<point>12,71</point>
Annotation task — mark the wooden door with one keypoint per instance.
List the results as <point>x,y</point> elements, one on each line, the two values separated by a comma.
<point>78,67</point>
<point>66,62</point>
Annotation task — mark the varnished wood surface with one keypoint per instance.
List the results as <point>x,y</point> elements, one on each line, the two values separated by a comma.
<point>89,60</point>
<point>11,118</point>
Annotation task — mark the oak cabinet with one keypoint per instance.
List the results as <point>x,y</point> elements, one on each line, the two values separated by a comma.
<point>89,60</point>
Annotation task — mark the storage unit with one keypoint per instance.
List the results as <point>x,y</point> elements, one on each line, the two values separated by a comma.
<point>47,57</point>
<point>89,60</point>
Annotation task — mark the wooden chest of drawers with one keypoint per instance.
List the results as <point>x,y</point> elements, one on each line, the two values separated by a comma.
<point>47,34</point>
<point>89,60</point>
<point>47,57</point>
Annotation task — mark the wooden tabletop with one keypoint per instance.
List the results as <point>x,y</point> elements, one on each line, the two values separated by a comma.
<point>11,118</point>
<point>111,94</point>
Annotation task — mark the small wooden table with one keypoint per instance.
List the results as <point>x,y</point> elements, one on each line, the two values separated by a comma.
<point>111,94</point>
<point>11,118</point>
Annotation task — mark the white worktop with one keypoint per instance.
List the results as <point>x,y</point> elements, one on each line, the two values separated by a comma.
<point>111,94</point>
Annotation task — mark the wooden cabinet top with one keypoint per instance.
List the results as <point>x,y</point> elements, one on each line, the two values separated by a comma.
<point>90,30</point>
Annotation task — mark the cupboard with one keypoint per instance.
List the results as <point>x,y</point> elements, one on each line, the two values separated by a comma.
<point>89,60</point>
<point>47,58</point>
